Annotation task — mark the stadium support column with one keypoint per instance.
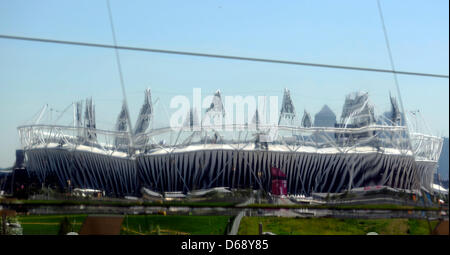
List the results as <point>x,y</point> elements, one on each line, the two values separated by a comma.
<point>144,120</point>
<point>90,125</point>
<point>287,113</point>
<point>78,122</point>
<point>121,126</point>
<point>350,181</point>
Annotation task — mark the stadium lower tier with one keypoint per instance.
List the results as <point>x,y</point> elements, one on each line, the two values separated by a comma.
<point>186,171</point>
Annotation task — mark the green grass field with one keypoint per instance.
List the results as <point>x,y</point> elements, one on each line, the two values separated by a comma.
<point>217,225</point>
<point>48,224</point>
<point>132,224</point>
<point>333,226</point>
<point>174,224</point>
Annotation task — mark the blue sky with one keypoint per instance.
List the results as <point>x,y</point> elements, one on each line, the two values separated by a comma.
<point>333,32</point>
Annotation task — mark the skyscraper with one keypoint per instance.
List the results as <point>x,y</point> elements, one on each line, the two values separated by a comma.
<point>325,118</point>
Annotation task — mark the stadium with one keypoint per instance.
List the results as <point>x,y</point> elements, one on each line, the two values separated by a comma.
<point>321,156</point>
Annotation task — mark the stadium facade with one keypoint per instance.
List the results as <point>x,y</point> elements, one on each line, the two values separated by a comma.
<point>320,156</point>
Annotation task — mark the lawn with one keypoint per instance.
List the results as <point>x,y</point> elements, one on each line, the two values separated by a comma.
<point>333,226</point>
<point>217,225</point>
<point>132,224</point>
<point>48,224</point>
<point>174,225</point>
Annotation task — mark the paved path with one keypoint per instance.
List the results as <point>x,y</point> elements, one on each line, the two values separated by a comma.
<point>237,220</point>
<point>236,223</point>
<point>248,202</point>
